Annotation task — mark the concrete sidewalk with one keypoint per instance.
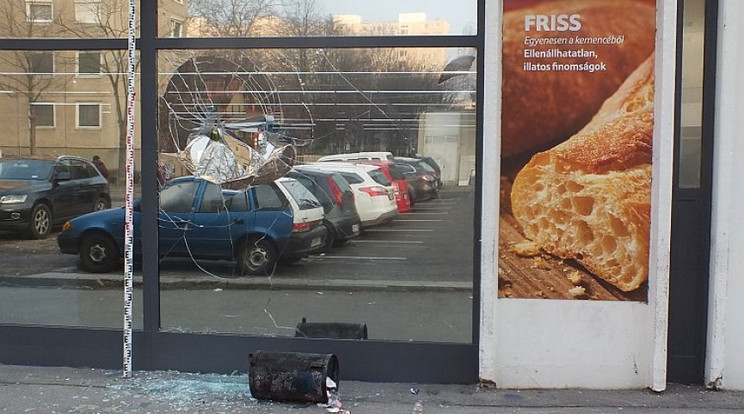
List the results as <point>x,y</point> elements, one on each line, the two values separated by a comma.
<point>69,390</point>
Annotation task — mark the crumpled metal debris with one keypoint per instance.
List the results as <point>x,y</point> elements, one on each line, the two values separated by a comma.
<point>216,154</point>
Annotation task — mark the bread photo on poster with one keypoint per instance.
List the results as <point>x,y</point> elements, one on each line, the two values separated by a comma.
<point>577,123</point>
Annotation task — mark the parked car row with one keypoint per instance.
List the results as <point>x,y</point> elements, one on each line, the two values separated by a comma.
<point>257,227</point>
<point>314,208</point>
<point>422,174</point>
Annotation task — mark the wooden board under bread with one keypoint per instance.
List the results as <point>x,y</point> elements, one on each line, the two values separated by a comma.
<point>546,277</point>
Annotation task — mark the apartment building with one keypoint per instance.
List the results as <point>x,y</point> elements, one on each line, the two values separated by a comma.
<point>69,101</point>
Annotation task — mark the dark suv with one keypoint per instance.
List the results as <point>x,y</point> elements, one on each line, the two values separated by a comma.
<point>37,193</point>
<point>422,180</point>
<point>337,198</point>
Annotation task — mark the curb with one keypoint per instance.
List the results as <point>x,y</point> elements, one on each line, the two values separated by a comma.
<point>108,281</point>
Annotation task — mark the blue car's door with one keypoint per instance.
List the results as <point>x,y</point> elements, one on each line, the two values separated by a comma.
<point>221,220</point>
<point>175,217</point>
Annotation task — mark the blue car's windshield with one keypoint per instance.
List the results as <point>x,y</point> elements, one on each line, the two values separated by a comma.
<point>25,169</point>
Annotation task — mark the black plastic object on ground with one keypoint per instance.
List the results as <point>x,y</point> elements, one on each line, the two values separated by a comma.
<point>335,330</point>
<point>291,376</point>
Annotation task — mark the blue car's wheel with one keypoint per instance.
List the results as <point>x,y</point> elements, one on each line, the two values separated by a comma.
<point>98,253</point>
<point>257,257</point>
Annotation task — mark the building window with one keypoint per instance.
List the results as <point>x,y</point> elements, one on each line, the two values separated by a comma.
<point>87,11</point>
<point>89,115</point>
<point>89,63</point>
<point>41,63</point>
<point>43,114</point>
<point>176,28</point>
<point>39,11</point>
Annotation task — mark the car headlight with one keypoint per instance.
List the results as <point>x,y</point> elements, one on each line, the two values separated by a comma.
<point>13,199</point>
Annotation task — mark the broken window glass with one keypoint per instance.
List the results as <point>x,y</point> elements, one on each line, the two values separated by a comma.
<point>387,249</point>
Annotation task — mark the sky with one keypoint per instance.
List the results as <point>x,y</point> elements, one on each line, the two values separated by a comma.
<point>460,13</point>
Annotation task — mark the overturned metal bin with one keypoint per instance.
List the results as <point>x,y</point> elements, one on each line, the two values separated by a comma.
<point>291,376</point>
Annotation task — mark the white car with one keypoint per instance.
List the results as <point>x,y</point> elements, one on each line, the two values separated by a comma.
<point>375,199</point>
<point>359,156</point>
<point>307,220</point>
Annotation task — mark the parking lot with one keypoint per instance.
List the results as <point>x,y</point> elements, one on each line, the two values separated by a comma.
<point>433,242</point>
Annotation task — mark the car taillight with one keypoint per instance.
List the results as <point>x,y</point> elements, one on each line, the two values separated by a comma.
<point>338,196</point>
<point>305,226</point>
<point>375,191</point>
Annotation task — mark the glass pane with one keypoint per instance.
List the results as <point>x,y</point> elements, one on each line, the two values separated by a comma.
<point>302,18</point>
<point>44,114</point>
<point>89,63</point>
<point>69,18</point>
<point>354,246</point>
<point>41,63</point>
<point>692,94</point>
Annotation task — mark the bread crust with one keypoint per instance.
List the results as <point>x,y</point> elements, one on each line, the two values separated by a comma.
<point>541,109</point>
<point>589,197</point>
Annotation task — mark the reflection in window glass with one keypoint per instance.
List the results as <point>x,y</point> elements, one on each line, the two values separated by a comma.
<point>41,63</point>
<point>89,116</point>
<point>71,18</point>
<point>303,18</point>
<point>89,63</point>
<point>368,251</point>
<point>692,94</point>
<point>88,11</point>
<point>45,113</point>
<point>39,11</point>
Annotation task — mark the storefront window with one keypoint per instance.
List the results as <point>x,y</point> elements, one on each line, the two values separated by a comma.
<point>362,241</point>
<point>302,18</point>
<point>54,125</point>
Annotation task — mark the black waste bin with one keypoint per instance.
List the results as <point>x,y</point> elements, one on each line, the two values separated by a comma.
<point>335,330</point>
<point>291,376</point>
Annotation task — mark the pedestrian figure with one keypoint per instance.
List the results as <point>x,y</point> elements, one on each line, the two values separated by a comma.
<point>101,166</point>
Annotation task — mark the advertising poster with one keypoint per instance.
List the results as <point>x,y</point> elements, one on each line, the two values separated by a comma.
<point>576,148</point>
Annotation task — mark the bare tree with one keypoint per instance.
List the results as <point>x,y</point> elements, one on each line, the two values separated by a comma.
<point>105,18</point>
<point>230,18</point>
<point>26,73</point>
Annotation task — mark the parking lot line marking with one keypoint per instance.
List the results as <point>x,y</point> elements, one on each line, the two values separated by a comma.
<point>399,220</point>
<point>361,257</point>
<point>388,241</point>
<point>393,230</point>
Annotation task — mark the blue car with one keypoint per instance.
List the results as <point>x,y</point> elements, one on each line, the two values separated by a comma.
<point>199,219</point>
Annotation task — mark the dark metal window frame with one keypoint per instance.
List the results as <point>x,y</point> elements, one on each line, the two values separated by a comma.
<point>691,211</point>
<point>371,360</point>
